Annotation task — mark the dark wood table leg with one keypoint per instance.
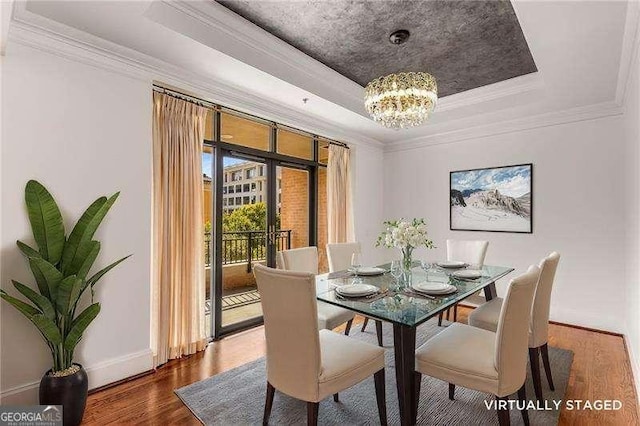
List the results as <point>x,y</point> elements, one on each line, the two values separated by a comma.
<point>404,344</point>
<point>490,291</point>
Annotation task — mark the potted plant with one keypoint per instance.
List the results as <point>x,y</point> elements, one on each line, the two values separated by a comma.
<point>61,267</point>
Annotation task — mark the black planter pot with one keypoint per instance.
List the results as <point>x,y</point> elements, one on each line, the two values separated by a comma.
<point>68,391</point>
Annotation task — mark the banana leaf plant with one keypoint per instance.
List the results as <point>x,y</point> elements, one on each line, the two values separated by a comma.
<point>60,266</point>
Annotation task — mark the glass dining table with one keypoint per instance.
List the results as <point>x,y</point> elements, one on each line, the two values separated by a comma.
<point>406,310</point>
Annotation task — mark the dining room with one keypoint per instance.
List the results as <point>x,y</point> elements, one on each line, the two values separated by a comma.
<point>335,213</point>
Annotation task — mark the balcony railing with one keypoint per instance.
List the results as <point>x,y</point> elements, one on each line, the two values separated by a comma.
<point>246,246</point>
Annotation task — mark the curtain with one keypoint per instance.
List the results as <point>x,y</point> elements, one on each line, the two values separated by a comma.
<point>339,197</point>
<point>178,286</point>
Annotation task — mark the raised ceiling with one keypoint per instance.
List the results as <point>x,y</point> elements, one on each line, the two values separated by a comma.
<point>465,45</point>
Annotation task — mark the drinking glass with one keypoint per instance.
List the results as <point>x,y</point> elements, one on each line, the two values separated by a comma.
<point>426,266</point>
<point>396,271</point>
<point>355,266</point>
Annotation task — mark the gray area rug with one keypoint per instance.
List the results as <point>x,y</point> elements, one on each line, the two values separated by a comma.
<point>236,397</point>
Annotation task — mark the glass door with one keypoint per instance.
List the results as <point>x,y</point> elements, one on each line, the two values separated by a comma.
<point>241,239</point>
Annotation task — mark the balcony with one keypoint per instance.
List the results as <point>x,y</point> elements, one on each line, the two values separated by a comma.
<point>240,250</point>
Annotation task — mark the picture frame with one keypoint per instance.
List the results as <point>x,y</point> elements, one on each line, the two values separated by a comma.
<point>492,199</point>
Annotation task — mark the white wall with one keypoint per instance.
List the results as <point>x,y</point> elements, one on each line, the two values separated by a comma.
<point>83,132</point>
<point>631,128</point>
<point>368,182</point>
<point>578,198</point>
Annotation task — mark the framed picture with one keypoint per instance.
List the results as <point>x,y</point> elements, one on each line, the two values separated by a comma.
<point>497,199</point>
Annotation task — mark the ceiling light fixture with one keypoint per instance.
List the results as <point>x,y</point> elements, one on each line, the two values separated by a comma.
<point>404,99</point>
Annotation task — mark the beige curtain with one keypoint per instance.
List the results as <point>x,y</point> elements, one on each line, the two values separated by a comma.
<point>339,196</point>
<point>178,288</point>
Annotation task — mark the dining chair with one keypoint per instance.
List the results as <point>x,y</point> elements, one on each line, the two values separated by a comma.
<point>471,252</point>
<point>302,361</point>
<point>306,260</point>
<point>486,317</point>
<point>339,256</point>
<point>482,360</point>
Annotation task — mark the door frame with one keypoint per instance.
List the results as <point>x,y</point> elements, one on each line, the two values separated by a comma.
<point>272,160</point>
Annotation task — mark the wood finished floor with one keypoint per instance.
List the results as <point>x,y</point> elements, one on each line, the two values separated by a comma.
<point>600,370</point>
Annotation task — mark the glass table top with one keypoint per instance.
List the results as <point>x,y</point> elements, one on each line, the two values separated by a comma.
<point>399,305</point>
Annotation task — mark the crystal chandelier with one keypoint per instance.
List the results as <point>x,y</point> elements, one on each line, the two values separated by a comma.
<point>401,100</point>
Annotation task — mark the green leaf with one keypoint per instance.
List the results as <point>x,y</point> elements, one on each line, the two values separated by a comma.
<point>85,228</point>
<point>95,277</point>
<point>68,293</point>
<point>47,277</point>
<point>26,309</point>
<point>39,300</point>
<point>46,221</point>
<point>85,256</point>
<point>48,328</point>
<point>27,251</point>
<point>79,325</point>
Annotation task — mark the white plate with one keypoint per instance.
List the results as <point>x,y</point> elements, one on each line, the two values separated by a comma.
<point>468,274</point>
<point>370,270</point>
<point>454,264</point>
<point>428,287</point>
<point>356,290</point>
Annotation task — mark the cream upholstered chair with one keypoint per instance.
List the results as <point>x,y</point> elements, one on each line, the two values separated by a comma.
<point>483,360</point>
<point>303,362</point>
<point>486,316</point>
<point>471,252</point>
<point>339,256</point>
<point>306,260</point>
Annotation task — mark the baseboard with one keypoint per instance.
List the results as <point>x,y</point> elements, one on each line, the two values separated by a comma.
<point>100,375</point>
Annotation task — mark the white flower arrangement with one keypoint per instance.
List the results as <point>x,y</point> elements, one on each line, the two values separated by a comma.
<point>405,235</point>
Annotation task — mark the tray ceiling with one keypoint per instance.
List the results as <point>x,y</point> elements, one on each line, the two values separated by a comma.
<point>465,45</point>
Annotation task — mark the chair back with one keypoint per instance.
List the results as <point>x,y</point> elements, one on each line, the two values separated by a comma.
<point>471,251</point>
<point>512,333</point>
<point>339,255</point>
<point>300,260</point>
<point>291,329</point>
<point>542,301</point>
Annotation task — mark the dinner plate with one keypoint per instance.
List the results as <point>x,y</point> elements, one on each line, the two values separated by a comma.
<point>453,264</point>
<point>370,270</point>
<point>430,287</point>
<point>356,290</point>
<point>468,274</point>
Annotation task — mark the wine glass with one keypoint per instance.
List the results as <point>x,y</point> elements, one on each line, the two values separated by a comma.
<point>396,271</point>
<point>355,266</point>
<point>426,266</point>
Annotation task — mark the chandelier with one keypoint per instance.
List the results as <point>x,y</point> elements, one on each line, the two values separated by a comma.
<point>401,100</point>
<point>404,99</point>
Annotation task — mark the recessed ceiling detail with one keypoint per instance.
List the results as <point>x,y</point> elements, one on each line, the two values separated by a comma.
<point>464,45</point>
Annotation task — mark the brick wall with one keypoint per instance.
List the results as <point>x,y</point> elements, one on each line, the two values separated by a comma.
<point>294,210</point>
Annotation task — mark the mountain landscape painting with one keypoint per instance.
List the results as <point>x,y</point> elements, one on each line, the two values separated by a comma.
<point>492,199</point>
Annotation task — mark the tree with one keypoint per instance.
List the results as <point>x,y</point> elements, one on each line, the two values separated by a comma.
<point>250,217</point>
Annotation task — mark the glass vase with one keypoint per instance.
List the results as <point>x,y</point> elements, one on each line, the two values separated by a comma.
<point>407,263</point>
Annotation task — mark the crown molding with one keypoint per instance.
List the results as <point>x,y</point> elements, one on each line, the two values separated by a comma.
<point>514,86</point>
<point>572,115</point>
<point>237,37</point>
<point>630,46</point>
<point>6,12</point>
<point>219,28</point>
<point>54,38</point>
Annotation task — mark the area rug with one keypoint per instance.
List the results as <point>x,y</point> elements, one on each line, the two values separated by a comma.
<point>236,397</point>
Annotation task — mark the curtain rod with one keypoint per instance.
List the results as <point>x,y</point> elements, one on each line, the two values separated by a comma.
<point>205,103</point>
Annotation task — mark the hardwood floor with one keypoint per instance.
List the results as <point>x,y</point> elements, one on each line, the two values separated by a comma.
<point>600,370</point>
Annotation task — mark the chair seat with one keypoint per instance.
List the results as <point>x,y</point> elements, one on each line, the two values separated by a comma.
<point>461,355</point>
<point>345,362</point>
<point>486,315</point>
<point>331,316</point>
